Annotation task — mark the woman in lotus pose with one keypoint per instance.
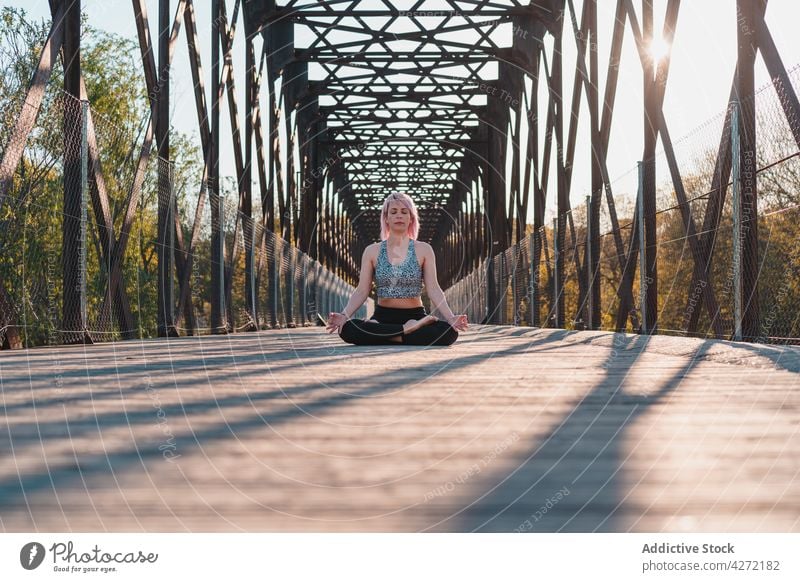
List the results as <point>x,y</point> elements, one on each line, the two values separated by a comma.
<point>399,264</point>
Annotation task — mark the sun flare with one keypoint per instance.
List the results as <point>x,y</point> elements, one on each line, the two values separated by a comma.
<point>659,49</point>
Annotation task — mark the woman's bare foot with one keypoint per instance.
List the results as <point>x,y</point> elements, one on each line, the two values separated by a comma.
<point>413,325</point>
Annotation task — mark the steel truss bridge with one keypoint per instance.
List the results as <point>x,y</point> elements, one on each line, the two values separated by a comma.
<point>459,103</point>
<point>568,406</point>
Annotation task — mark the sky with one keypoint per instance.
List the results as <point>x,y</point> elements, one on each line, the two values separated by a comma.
<point>701,72</point>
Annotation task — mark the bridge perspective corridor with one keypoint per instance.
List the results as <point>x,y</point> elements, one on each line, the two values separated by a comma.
<point>115,225</point>
<point>511,429</point>
<point>173,236</point>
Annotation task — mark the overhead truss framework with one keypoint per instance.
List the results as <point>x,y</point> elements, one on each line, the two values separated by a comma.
<point>396,96</point>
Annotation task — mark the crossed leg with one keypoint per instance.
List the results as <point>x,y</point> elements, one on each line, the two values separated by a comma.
<point>413,325</point>
<point>372,332</point>
<point>439,333</point>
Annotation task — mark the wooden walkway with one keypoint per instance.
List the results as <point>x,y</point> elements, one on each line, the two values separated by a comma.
<point>510,429</point>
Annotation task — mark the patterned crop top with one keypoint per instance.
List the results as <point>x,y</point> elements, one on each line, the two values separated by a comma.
<point>398,281</point>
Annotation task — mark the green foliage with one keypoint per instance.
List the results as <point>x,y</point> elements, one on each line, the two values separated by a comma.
<point>31,219</point>
<point>778,266</point>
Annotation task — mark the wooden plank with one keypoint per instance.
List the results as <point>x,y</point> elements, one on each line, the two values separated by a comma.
<point>658,433</point>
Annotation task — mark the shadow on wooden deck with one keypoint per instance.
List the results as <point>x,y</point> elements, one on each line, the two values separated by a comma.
<point>510,429</point>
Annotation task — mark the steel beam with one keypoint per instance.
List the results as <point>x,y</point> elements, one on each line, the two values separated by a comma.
<point>747,34</point>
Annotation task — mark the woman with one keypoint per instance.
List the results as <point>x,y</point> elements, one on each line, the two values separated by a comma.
<point>399,264</point>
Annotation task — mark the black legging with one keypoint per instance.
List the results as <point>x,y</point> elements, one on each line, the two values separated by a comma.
<point>390,323</point>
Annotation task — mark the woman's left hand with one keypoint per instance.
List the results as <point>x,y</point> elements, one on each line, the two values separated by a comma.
<point>458,322</point>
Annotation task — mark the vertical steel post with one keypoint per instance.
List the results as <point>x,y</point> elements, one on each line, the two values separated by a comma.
<point>556,281</point>
<point>84,203</point>
<point>304,289</point>
<point>747,40</point>
<point>648,179</point>
<point>562,195</point>
<point>317,292</point>
<point>513,280</point>
<point>171,243</point>
<point>221,264</point>
<point>272,269</point>
<point>642,248</point>
<point>532,280</point>
<point>247,187</point>
<point>736,195</point>
<point>73,324</point>
<point>273,281</point>
<point>598,153</point>
<point>487,293</point>
<point>324,305</point>
<point>536,253</point>
<point>252,278</point>
<point>290,276</point>
<point>589,266</point>
<point>299,231</point>
<point>166,252</point>
<point>218,316</point>
<point>502,288</point>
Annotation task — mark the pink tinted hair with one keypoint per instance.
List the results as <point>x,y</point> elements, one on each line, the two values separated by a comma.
<point>405,200</point>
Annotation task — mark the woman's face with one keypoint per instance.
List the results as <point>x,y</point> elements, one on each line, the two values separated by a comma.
<point>399,218</point>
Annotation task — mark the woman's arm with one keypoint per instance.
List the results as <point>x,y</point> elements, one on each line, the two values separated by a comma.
<point>439,302</point>
<point>364,285</point>
<point>356,301</point>
<point>435,293</point>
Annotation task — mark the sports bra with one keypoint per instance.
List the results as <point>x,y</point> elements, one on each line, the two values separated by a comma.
<point>398,281</point>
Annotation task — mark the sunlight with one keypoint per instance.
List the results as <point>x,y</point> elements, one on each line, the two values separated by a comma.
<point>658,49</point>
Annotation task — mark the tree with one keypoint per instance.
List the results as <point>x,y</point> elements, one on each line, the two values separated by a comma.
<point>30,237</point>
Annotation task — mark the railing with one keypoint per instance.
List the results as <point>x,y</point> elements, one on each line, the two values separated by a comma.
<point>528,290</point>
<point>289,288</point>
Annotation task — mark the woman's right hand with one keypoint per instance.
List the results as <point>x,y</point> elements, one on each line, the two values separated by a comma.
<point>336,322</point>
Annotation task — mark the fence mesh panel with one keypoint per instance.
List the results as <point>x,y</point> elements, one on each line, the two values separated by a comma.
<point>694,227</point>
<point>101,163</point>
<point>114,244</point>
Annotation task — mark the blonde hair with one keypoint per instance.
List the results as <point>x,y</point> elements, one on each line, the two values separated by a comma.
<point>405,200</point>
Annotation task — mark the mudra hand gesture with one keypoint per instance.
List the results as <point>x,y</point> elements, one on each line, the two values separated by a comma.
<point>458,322</point>
<point>336,321</point>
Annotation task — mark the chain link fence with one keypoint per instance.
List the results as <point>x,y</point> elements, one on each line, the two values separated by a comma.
<point>695,226</point>
<point>111,241</point>
<point>109,231</point>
